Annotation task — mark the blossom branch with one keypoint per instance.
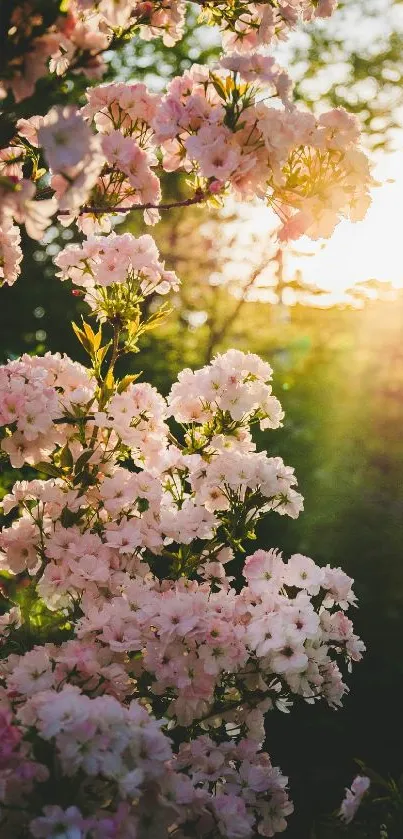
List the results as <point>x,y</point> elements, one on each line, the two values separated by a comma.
<point>73,420</point>
<point>197,198</point>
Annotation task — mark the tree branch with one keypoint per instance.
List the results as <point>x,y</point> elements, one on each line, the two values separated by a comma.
<point>197,198</point>
<point>72,420</point>
<point>217,334</point>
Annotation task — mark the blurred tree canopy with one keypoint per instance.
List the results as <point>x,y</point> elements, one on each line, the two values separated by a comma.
<point>355,60</point>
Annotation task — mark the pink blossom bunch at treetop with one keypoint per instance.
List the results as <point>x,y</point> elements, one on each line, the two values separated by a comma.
<point>214,125</point>
<point>232,129</point>
<point>142,640</point>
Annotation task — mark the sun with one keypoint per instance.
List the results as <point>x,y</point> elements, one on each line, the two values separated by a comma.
<point>370,249</point>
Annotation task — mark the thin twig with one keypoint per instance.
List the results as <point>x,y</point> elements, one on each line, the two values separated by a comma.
<point>217,334</point>
<point>187,202</point>
<point>72,420</point>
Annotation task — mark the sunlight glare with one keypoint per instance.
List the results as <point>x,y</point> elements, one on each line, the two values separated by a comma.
<point>370,249</point>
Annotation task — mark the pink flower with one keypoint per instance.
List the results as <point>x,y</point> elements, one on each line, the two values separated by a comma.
<point>255,67</point>
<point>118,149</point>
<point>28,128</point>
<point>264,571</point>
<point>290,658</point>
<point>36,215</point>
<point>11,159</point>
<point>302,572</point>
<point>234,821</point>
<point>33,674</point>
<point>10,251</point>
<point>353,798</point>
<point>211,147</point>
<point>57,822</point>
<point>65,138</point>
<point>341,128</point>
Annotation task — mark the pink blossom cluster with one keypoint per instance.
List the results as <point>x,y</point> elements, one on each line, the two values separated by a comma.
<point>118,748</point>
<point>108,171</point>
<point>34,392</point>
<point>127,107</point>
<point>73,154</point>
<point>235,384</point>
<point>129,154</point>
<point>19,770</point>
<point>270,643</point>
<point>84,166</point>
<point>150,704</point>
<point>296,163</point>
<point>216,126</point>
<point>239,476</point>
<point>136,671</point>
<point>157,641</point>
<point>18,204</point>
<point>10,252</point>
<point>123,115</point>
<point>260,24</point>
<point>76,40</point>
<point>220,131</point>
<point>177,497</point>
<point>261,69</point>
<point>184,637</point>
<point>142,510</point>
<point>115,271</point>
<point>137,416</point>
<point>221,790</point>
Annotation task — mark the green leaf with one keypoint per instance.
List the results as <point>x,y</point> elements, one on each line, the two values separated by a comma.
<point>101,353</point>
<point>126,381</point>
<point>82,338</point>
<point>93,339</point>
<point>219,87</point>
<point>48,469</point>
<point>372,775</point>
<point>83,460</point>
<point>85,479</point>
<point>68,518</point>
<point>143,504</point>
<point>108,386</point>
<point>66,458</point>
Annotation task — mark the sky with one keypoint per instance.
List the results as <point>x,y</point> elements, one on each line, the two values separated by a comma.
<point>370,249</point>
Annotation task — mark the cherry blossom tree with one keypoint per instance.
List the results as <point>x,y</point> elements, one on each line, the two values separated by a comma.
<point>136,672</point>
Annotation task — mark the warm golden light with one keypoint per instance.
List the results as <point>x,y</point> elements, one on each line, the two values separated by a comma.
<point>370,249</point>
